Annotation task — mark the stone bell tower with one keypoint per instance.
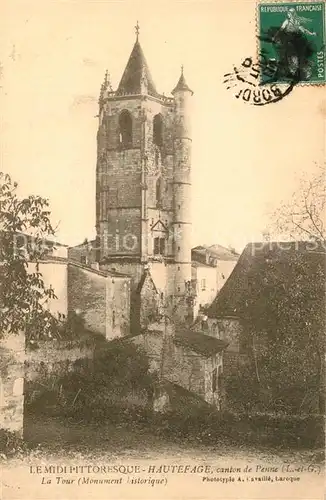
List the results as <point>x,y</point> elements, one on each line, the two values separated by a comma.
<point>143,185</point>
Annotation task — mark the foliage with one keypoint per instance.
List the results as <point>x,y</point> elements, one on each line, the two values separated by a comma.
<point>209,427</point>
<point>11,444</point>
<point>303,217</point>
<point>291,310</point>
<point>24,226</point>
<point>72,326</point>
<point>94,386</point>
<point>242,389</point>
<point>296,293</point>
<point>119,366</point>
<point>285,322</point>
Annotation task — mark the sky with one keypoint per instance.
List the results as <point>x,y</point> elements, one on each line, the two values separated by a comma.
<point>246,159</point>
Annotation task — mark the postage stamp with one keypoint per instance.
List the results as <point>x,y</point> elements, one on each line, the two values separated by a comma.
<point>292,36</point>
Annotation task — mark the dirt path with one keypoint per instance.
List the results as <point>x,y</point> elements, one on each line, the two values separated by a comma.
<point>64,444</point>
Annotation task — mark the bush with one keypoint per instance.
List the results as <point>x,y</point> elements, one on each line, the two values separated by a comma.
<point>209,427</point>
<point>94,387</point>
<point>11,443</point>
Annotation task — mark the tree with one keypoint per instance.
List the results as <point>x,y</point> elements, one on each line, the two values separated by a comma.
<point>24,228</point>
<point>304,217</point>
<point>285,318</point>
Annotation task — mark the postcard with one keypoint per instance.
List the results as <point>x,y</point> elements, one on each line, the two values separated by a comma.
<point>162,231</point>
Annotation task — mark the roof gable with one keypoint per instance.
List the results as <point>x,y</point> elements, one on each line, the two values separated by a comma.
<point>159,226</point>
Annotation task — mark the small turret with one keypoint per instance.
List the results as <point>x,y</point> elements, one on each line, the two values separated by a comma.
<point>182,85</point>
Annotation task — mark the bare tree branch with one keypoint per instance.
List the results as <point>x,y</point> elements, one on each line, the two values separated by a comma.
<point>304,216</point>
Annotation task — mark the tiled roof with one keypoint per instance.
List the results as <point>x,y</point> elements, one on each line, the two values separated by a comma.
<point>200,343</point>
<point>217,251</point>
<point>261,263</point>
<point>30,238</point>
<point>91,243</point>
<point>64,260</point>
<point>135,71</point>
<point>222,253</point>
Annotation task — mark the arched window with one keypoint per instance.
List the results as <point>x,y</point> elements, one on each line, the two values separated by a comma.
<point>125,129</point>
<point>159,191</point>
<point>158,130</point>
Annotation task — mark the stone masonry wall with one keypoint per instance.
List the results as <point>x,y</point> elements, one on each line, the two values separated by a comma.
<point>149,302</point>
<point>55,357</point>
<point>12,357</point>
<point>87,295</point>
<point>227,329</point>
<point>214,363</point>
<point>186,368</point>
<point>103,301</point>
<point>188,371</point>
<point>117,307</point>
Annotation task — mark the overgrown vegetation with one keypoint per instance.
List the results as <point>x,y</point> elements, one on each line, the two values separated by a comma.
<point>117,388</point>
<point>206,426</point>
<point>24,228</point>
<point>284,314</point>
<point>11,444</point>
<point>290,314</point>
<point>27,236</point>
<point>118,373</point>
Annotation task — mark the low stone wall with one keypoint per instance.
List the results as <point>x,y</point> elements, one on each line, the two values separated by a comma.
<point>55,357</point>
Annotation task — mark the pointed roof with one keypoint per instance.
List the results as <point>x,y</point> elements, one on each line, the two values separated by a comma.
<point>136,74</point>
<point>182,84</point>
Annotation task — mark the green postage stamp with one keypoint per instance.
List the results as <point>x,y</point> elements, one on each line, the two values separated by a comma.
<point>292,38</point>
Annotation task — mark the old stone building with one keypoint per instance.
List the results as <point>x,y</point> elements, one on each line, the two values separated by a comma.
<point>275,297</point>
<point>143,198</point>
<point>143,226</point>
<point>101,298</point>
<point>185,358</point>
<point>139,274</point>
<point>143,182</point>
<point>12,371</point>
<point>211,267</point>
